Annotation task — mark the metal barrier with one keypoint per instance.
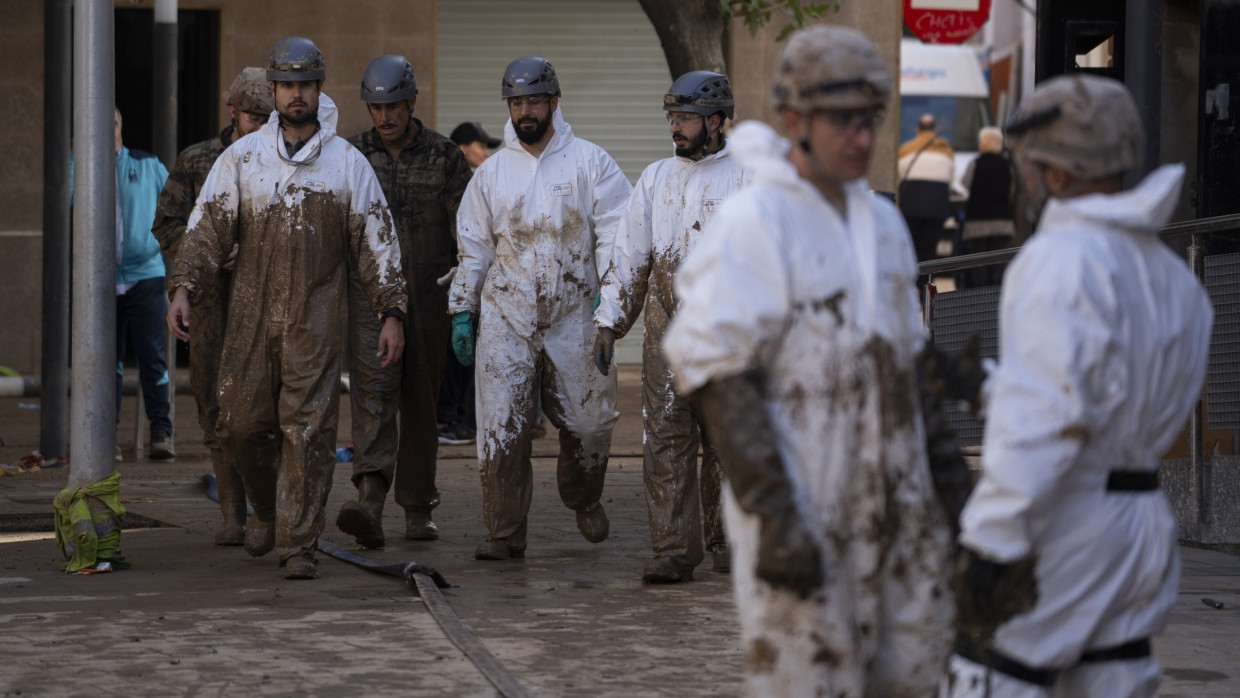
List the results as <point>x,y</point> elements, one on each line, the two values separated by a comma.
<point>952,316</point>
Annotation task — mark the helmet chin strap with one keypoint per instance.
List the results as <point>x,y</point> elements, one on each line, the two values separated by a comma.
<point>815,164</point>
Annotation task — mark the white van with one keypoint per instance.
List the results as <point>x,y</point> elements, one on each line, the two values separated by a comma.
<point>945,80</point>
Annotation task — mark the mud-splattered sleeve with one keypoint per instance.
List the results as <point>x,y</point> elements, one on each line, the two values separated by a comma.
<point>476,234</point>
<point>372,239</point>
<point>734,297</point>
<point>211,229</point>
<point>176,200</point>
<point>611,198</point>
<point>625,283</point>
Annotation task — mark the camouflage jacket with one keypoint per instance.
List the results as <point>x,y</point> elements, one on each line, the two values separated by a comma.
<point>423,188</point>
<point>176,201</point>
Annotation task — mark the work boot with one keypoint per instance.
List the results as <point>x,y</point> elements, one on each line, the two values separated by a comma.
<point>363,519</point>
<point>418,525</point>
<point>260,536</point>
<point>720,559</point>
<point>161,446</point>
<point>301,567</point>
<point>496,550</point>
<point>231,493</point>
<point>593,524</point>
<point>664,570</point>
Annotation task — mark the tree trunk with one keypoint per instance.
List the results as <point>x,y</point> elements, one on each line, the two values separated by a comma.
<point>691,32</point>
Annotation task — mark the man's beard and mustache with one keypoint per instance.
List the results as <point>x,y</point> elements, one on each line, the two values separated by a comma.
<point>540,129</point>
<point>695,144</point>
<point>287,118</point>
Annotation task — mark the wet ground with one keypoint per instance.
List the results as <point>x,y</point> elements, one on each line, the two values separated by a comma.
<point>571,619</point>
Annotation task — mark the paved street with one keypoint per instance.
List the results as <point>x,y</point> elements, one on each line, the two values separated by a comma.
<point>572,619</point>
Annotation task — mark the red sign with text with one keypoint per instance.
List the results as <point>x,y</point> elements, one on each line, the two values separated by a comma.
<point>945,21</point>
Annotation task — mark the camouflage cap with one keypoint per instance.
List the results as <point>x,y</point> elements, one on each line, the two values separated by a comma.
<point>250,92</point>
<point>1086,125</point>
<point>828,67</point>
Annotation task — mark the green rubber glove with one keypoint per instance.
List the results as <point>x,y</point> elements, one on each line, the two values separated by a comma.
<point>463,337</point>
<point>598,298</point>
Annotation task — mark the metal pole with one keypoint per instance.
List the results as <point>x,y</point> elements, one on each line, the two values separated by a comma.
<point>57,102</point>
<point>1197,464</point>
<point>1143,24</point>
<point>93,409</point>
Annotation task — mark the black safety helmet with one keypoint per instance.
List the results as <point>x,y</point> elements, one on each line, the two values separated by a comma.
<point>295,59</point>
<point>700,92</point>
<point>530,75</point>
<point>388,79</point>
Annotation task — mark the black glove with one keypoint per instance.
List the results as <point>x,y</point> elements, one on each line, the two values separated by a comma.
<point>990,593</point>
<point>604,346</point>
<point>956,377</point>
<point>788,556</point>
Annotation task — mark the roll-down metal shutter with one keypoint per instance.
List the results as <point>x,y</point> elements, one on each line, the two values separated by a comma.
<point>611,68</point>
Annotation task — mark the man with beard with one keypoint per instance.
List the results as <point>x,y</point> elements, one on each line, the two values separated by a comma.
<point>672,203</point>
<point>1071,559</point>
<point>249,106</point>
<point>797,334</point>
<point>535,227</point>
<point>423,176</point>
<point>298,200</point>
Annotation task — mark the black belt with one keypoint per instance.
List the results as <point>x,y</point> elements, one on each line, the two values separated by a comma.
<point>965,647</point>
<point>1132,480</point>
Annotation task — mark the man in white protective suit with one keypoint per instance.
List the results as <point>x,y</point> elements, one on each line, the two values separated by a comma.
<point>670,206</point>
<point>797,335</point>
<point>536,225</point>
<point>296,200</point>
<point>1070,561</point>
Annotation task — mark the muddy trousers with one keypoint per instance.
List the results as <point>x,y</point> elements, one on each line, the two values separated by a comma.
<point>405,458</point>
<point>207,320</point>
<point>278,423</point>
<point>577,399</point>
<point>674,489</point>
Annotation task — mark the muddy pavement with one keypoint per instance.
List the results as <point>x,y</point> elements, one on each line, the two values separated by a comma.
<point>194,619</point>
<point>571,619</point>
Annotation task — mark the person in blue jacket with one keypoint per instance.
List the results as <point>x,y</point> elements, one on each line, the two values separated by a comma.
<point>141,300</point>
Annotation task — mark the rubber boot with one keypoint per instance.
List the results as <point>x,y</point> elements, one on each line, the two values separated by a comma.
<point>592,522</point>
<point>363,519</point>
<point>231,492</point>
<point>260,536</point>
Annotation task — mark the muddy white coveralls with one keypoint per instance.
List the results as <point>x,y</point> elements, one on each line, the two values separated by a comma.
<point>1104,335</point>
<point>667,213</point>
<point>295,220</point>
<point>823,309</point>
<point>534,234</point>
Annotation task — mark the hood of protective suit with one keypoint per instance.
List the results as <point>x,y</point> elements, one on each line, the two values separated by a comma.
<point>328,116</point>
<point>764,154</point>
<point>1141,210</point>
<point>562,136</point>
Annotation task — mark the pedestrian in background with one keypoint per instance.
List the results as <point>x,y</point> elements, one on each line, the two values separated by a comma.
<point>988,222</point>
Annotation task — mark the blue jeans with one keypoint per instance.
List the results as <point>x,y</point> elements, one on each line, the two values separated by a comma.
<point>140,315</point>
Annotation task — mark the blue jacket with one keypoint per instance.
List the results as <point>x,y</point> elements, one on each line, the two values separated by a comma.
<point>140,177</point>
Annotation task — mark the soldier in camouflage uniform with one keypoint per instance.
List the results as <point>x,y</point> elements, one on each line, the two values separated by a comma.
<point>423,175</point>
<point>249,105</point>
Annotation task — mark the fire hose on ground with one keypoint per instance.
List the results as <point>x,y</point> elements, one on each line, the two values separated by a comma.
<point>426,582</point>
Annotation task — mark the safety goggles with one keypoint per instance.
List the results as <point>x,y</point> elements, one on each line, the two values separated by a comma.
<point>683,119</point>
<point>532,100</point>
<point>853,120</point>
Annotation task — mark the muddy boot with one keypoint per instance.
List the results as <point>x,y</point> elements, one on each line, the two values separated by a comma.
<point>260,536</point>
<point>593,524</point>
<point>496,550</point>
<point>418,525</point>
<point>664,570</point>
<point>231,492</point>
<point>363,519</point>
<point>301,567</point>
